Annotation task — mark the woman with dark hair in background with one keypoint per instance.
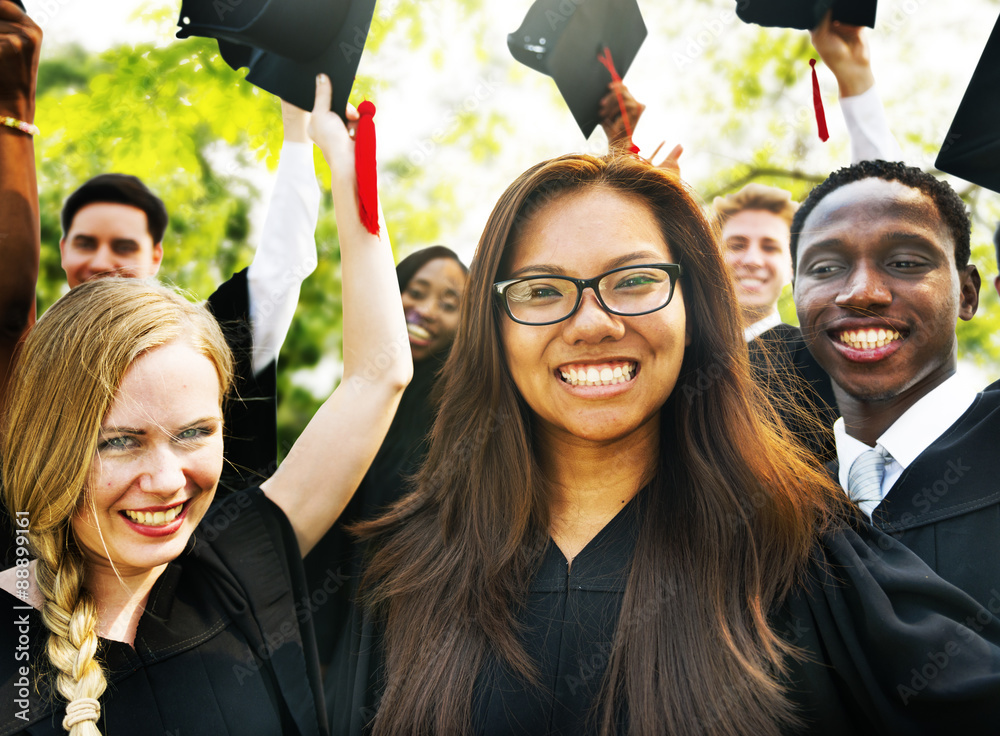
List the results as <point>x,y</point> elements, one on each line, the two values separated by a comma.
<point>614,534</point>
<point>431,284</point>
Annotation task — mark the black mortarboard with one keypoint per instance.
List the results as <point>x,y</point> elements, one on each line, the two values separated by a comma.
<point>805,14</point>
<point>972,149</point>
<point>286,43</point>
<point>562,38</point>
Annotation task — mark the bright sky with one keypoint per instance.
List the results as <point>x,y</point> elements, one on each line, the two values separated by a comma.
<point>914,42</point>
<point>669,66</point>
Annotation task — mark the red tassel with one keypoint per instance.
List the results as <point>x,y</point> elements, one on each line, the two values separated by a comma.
<point>365,167</point>
<point>605,59</point>
<point>824,134</point>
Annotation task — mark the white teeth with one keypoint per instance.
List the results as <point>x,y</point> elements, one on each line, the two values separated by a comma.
<point>869,339</point>
<point>418,332</point>
<point>605,376</point>
<point>155,518</point>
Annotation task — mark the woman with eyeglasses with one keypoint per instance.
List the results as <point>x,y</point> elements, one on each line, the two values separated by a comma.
<point>612,533</point>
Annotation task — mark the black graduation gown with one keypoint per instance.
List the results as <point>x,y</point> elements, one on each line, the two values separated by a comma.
<point>890,648</point>
<point>223,647</point>
<point>946,505</point>
<point>250,420</point>
<point>333,564</point>
<point>786,369</point>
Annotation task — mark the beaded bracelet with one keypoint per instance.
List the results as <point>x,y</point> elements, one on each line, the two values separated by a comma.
<point>20,125</point>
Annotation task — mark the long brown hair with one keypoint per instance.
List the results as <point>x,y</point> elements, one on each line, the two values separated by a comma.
<point>730,518</point>
<point>64,382</point>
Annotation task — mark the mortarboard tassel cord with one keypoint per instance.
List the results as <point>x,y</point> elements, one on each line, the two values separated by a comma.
<point>824,134</point>
<point>605,59</point>
<point>365,167</point>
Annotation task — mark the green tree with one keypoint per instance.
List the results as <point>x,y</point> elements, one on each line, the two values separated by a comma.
<point>759,121</point>
<point>179,118</point>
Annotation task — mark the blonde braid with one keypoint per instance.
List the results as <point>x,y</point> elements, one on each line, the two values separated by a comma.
<point>63,384</point>
<point>70,614</point>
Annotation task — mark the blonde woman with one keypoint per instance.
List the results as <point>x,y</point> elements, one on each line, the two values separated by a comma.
<point>148,609</point>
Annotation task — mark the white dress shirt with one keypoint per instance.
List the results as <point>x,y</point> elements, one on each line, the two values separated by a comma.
<point>286,254</point>
<point>910,435</point>
<point>868,128</point>
<point>761,326</point>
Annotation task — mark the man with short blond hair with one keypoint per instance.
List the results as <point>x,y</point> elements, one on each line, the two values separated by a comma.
<point>755,224</point>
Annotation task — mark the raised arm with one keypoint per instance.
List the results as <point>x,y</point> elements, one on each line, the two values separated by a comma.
<point>845,50</point>
<point>20,42</point>
<point>286,254</point>
<point>328,461</point>
<point>610,116</point>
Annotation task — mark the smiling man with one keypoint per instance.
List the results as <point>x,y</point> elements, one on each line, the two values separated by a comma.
<point>882,277</point>
<point>755,224</point>
<point>113,225</point>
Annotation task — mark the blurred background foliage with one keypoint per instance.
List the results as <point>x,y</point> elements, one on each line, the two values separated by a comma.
<point>174,114</point>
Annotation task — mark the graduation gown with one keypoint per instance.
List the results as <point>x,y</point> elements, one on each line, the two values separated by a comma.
<point>335,559</point>
<point>789,373</point>
<point>888,647</point>
<point>224,645</point>
<point>946,505</point>
<point>250,420</point>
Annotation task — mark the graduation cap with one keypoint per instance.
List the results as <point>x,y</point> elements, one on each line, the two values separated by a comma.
<point>563,39</point>
<point>805,14</point>
<point>286,43</point>
<point>971,150</point>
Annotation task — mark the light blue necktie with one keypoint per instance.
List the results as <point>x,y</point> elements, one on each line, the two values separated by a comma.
<point>864,480</point>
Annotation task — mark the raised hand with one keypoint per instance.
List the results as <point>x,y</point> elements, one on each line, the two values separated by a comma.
<point>329,132</point>
<point>845,50</point>
<point>20,44</point>
<point>670,163</point>
<point>610,114</point>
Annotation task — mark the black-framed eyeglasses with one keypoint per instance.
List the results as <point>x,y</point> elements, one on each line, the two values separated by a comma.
<point>627,292</point>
